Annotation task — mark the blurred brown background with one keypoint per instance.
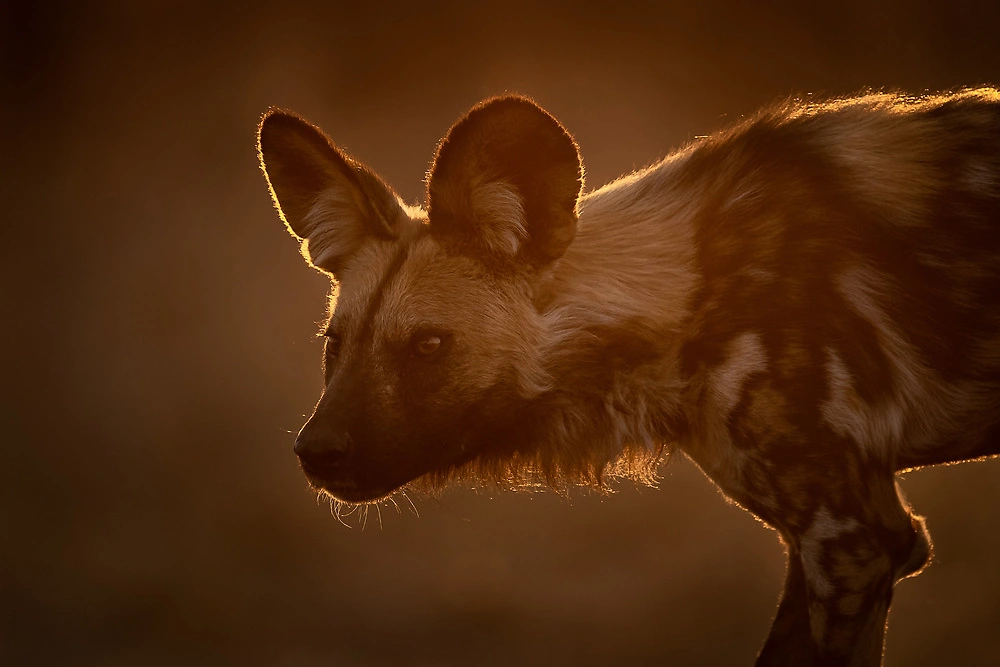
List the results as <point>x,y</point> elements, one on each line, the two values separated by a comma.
<point>158,340</point>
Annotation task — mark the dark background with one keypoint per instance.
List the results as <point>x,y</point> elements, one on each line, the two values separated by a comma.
<point>159,352</point>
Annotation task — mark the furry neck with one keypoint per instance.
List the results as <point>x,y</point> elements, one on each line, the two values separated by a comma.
<point>632,258</point>
<point>614,306</point>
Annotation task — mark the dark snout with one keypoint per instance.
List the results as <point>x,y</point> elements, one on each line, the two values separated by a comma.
<point>322,450</point>
<point>334,462</point>
<point>351,448</point>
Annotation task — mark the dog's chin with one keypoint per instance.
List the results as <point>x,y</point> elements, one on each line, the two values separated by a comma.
<point>349,491</point>
<point>363,485</point>
<point>360,484</point>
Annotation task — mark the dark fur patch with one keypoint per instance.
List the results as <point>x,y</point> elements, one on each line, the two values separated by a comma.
<point>375,300</point>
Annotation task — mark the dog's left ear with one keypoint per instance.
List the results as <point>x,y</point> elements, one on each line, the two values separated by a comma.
<point>505,183</point>
<point>328,200</point>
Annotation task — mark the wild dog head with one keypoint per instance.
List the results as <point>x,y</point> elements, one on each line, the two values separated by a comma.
<point>434,346</point>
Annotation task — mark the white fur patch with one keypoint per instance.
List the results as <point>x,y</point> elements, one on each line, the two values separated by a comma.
<point>333,227</point>
<point>746,357</point>
<point>868,425</point>
<point>499,212</point>
<point>824,527</point>
<point>880,426</point>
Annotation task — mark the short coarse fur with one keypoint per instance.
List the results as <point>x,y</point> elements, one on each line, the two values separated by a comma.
<point>804,304</point>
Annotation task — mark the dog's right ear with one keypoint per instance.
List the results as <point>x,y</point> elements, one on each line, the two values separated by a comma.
<point>505,183</point>
<point>327,199</point>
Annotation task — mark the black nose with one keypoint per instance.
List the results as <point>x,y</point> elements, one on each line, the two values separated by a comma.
<point>321,449</point>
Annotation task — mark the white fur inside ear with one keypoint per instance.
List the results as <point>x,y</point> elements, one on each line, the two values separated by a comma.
<point>499,214</point>
<point>333,226</point>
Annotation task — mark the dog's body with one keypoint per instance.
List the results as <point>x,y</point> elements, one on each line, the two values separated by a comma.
<point>804,305</point>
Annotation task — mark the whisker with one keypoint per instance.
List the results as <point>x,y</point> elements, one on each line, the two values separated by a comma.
<point>335,506</point>
<point>412,506</point>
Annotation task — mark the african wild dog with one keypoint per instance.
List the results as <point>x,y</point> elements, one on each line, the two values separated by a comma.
<point>804,304</point>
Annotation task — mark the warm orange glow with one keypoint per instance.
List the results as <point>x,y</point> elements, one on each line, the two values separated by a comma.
<point>158,332</point>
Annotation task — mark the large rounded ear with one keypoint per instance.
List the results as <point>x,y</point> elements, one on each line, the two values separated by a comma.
<point>505,183</point>
<point>327,199</point>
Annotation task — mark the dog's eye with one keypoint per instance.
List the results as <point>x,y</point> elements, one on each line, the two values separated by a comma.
<point>428,344</point>
<point>332,344</point>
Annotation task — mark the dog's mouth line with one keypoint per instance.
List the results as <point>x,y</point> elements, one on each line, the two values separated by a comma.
<point>319,472</point>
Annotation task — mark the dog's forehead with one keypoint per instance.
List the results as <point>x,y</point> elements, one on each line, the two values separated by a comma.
<point>402,283</point>
<point>430,286</point>
<point>363,278</point>
<point>430,269</point>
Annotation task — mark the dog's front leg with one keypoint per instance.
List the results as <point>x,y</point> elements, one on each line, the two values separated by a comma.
<point>842,565</point>
<point>833,616</point>
<point>790,640</point>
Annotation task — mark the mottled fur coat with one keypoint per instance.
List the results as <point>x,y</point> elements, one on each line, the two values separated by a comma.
<point>804,305</point>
